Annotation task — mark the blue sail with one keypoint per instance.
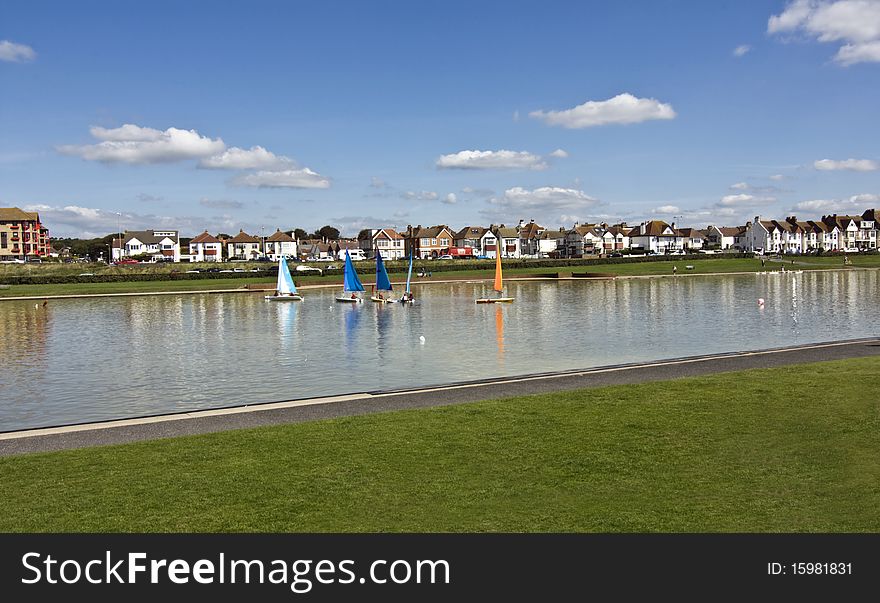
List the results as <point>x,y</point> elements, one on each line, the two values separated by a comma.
<point>409,274</point>
<point>382,281</point>
<point>350,281</point>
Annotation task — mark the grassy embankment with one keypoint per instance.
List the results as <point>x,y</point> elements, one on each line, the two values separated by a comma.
<point>397,270</point>
<point>753,451</point>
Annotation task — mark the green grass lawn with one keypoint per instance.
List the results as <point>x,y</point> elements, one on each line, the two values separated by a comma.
<point>398,274</point>
<point>790,449</point>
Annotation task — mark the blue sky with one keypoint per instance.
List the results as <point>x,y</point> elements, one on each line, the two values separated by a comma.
<point>260,115</point>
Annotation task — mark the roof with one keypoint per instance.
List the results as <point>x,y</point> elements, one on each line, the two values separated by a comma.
<point>205,238</point>
<point>9,214</point>
<point>691,232</point>
<point>653,228</point>
<point>389,233</point>
<point>617,230</point>
<point>553,234</point>
<point>731,231</point>
<point>471,232</point>
<point>147,237</point>
<point>507,233</point>
<point>530,231</point>
<point>281,237</point>
<point>430,232</point>
<point>243,237</point>
<point>584,229</point>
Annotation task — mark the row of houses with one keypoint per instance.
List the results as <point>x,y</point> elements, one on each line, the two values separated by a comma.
<point>23,236</point>
<point>831,233</point>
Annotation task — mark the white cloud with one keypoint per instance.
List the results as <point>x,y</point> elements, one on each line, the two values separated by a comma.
<point>666,209</point>
<point>377,183</point>
<point>559,153</point>
<point>136,145</point>
<point>622,109</point>
<point>740,186</point>
<point>777,177</point>
<point>450,199</point>
<point>854,22</point>
<point>16,53</point>
<point>304,178</point>
<point>855,204</point>
<point>491,160</point>
<point>255,158</point>
<point>741,50</point>
<point>856,165</point>
<point>546,204</point>
<point>744,200</point>
<point>419,195</point>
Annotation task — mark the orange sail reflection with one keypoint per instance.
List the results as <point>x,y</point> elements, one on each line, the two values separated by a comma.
<point>499,331</point>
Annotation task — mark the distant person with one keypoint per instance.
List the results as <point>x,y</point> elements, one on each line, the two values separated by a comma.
<point>674,269</point>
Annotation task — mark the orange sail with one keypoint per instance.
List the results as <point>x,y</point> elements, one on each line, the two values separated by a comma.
<point>498,271</point>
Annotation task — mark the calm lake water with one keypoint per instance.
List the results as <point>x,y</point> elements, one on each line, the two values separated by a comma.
<point>92,359</point>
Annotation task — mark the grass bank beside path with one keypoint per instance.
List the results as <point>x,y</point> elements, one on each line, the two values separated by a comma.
<point>753,451</point>
<point>707,266</point>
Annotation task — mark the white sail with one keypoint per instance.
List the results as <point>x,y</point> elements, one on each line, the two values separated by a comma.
<point>285,284</point>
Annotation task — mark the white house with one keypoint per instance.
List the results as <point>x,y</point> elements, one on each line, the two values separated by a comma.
<point>551,243</point>
<point>488,244</point>
<point>529,235</point>
<point>386,241</point>
<point>509,242</point>
<point>655,236</point>
<point>243,247</point>
<point>279,245</point>
<point>692,238</point>
<point>583,239</point>
<point>205,248</point>
<point>160,244</point>
<point>725,237</point>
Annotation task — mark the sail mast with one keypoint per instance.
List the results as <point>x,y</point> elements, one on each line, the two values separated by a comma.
<point>409,273</point>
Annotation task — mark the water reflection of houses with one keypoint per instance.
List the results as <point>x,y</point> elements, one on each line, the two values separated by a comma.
<point>24,331</point>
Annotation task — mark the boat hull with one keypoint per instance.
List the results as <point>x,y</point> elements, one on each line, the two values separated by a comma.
<point>284,297</point>
<point>495,300</point>
<point>349,300</point>
<point>382,300</point>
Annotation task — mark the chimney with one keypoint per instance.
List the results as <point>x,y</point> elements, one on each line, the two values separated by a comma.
<point>521,223</point>
<point>531,220</point>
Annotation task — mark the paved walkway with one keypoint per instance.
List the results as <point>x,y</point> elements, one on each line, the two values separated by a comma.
<point>297,411</point>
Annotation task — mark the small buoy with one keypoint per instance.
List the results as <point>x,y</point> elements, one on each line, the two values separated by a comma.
<point>421,339</point>
<point>760,301</point>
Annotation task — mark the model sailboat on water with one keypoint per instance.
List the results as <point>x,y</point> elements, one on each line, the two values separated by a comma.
<point>383,283</point>
<point>285,290</point>
<point>498,286</point>
<point>351,284</point>
<point>407,296</point>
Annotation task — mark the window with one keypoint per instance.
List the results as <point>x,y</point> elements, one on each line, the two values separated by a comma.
<point>3,241</point>
<point>434,242</point>
<point>444,242</point>
<point>426,242</point>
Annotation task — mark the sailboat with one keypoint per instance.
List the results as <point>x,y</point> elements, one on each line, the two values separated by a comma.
<point>351,284</point>
<point>285,290</point>
<point>383,283</point>
<point>497,287</point>
<point>407,296</point>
